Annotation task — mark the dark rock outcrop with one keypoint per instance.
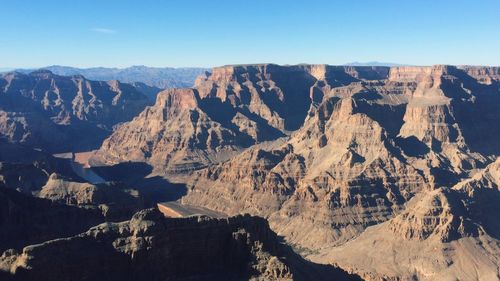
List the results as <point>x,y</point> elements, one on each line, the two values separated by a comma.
<point>27,170</point>
<point>151,247</point>
<point>26,220</point>
<point>115,201</point>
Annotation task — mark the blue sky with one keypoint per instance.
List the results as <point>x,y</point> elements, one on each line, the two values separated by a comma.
<point>209,33</point>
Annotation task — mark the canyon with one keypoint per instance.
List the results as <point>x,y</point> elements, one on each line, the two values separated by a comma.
<point>58,113</point>
<point>388,173</point>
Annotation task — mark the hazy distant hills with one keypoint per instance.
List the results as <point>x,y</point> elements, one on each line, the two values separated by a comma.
<point>161,77</point>
<point>374,63</point>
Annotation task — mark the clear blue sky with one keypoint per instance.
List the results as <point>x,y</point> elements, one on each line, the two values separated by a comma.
<point>217,32</point>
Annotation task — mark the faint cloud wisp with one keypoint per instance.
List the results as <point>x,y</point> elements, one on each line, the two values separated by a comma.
<point>103,30</point>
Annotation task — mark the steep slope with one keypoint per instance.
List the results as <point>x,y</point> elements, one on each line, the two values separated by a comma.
<point>447,110</point>
<point>446,234</point>
<point>236,248</point>
<point>27,169</point>
<point>25,220</point>
<point>229,109</point>
<point>359,142</point>
<point>367,148</point>
<point>339,173</point>
<point>58,113</point>
<point>280,95</point>
<point>112,199</point>
<point>174,135</point>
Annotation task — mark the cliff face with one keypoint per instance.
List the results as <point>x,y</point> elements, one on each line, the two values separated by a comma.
<point>445,234</point>
<point>417,106</point>
<point>196,248</point>
<point>54,112</point>
<point>353,146</point>
<point>25,220</point>
<point>361,153</point>
<point>228,110</point>
<point>281,95</point>
<point>114,200</point>
<point>175,135</point>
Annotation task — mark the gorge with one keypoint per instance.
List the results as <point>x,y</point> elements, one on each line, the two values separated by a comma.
<point>355,167</point>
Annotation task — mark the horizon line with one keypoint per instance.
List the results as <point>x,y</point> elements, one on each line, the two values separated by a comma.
<point>359,64</point>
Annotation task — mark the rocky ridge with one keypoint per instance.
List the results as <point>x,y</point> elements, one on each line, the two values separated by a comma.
<point>26,220</point>
<point>229,110</point>
<point>236,248</point>
<point>446,234</point>
<point>338,158</point>
<point>158,77</point>
<point>112,199</point>
<point>363,151</point>
<point>56,113</point>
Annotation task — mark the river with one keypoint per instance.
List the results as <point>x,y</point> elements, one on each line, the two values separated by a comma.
<point>86,173</point>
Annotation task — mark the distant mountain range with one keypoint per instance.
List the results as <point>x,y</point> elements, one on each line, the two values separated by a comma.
<point>161,77</point>
<point>374,63</point>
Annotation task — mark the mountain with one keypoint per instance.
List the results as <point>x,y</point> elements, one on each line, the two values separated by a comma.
<point>390,173</point>
<point>350,146</point>
<point>196,248</point>
<point>159,77</point>
<point>363,152</point>
<point>374,63</point>
<point>59,113</point>
<point>227,111</point>
<point>450,233</point>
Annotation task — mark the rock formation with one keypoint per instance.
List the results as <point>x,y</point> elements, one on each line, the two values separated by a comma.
<point>58,113</point>
<point>227,110</point>
<point>444,234</point>
<point>362,152</point>
<point>175,135</point>
<point>25,220</point>
<point>338,159</point>
<point>27,170</point>
<point>115,202</point>
<point>151,247</point>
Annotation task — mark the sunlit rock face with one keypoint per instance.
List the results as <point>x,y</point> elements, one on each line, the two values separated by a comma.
<point>390,172</point>
<point>61,113</point>
<point>321,151</point>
